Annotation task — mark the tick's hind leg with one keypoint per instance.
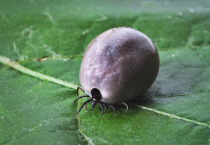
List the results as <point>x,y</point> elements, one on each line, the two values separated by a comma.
<point>110,106</point>
<point>124,104</point>
<point>102,107</point>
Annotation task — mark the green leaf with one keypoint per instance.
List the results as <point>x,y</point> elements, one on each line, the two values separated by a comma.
<point>41,48</point>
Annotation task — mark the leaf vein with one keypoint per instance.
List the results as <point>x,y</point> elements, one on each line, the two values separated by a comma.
<point>171,115</point>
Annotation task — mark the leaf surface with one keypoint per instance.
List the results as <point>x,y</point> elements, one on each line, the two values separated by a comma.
<point>50,37</point>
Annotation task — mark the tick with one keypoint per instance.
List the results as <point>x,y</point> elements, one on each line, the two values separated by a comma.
<point>118,65</point>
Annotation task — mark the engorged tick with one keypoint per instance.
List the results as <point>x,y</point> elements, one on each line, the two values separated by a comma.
<point>118,65</point>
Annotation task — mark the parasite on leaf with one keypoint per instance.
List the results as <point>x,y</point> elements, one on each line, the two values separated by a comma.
<point>118,65</point>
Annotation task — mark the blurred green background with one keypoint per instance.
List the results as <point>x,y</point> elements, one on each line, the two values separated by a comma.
<point>50,37</point>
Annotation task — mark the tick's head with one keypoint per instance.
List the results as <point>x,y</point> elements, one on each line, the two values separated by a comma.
<point>96,94</point>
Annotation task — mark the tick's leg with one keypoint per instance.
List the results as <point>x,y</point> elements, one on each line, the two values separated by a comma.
<point>104,104</point>
<point>81,97</point>
<point>84,105</point>
<point>123,103</point>
<point>94,104</point>
<point>79,88</point>
<point>102,107</point>
<point>110,106</point>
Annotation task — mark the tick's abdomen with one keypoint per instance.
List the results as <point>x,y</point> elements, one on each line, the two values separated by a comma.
<point>122,63</point>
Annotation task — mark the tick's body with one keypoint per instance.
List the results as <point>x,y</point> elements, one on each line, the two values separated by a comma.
<point>122,63</point>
